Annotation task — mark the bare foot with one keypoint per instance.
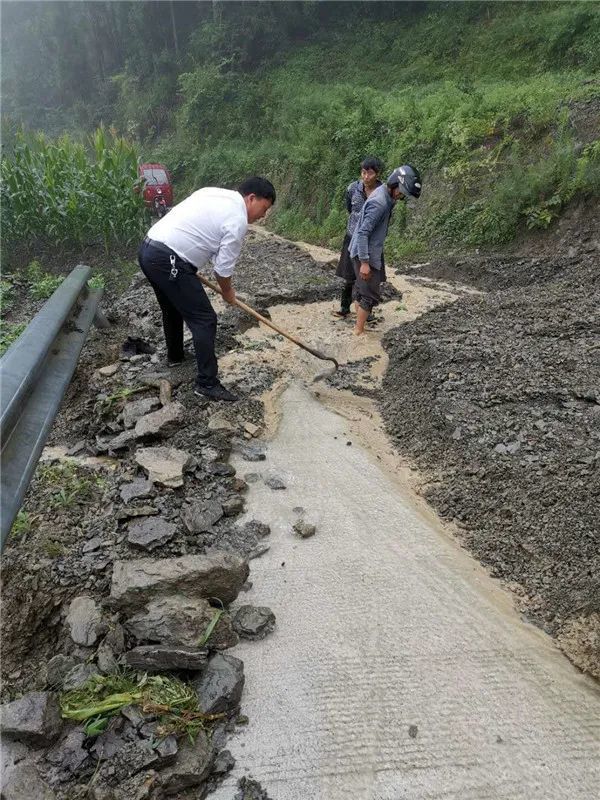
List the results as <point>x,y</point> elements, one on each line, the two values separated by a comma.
<point>357,332</point>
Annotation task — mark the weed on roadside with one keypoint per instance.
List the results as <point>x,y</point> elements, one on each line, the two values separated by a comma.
<point>23,524</point>
<point>67,485</point>
<point>117,399</point>
<point>102,696</point>
<point>52,548</point>
<point>9,333</point>
<point>41,283</point>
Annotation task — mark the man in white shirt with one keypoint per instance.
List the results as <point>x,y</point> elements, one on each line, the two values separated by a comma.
<point>209,225</point>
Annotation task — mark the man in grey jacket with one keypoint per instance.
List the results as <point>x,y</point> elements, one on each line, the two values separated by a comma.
<point>366,245</point>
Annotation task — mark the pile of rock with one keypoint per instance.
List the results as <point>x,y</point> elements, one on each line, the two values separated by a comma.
<point>159,615</point>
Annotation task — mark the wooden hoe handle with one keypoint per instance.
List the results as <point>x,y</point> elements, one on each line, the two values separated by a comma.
<point>249,310</point>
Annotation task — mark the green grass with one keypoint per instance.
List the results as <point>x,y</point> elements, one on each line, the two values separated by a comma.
<point>23,524</point>
<point>53,548</point>
<point>9,333</point>
<point>68,485</point>
<point>41,284</point>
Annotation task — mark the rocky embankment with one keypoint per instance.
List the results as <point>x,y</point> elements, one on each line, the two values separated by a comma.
<point>125,573</point>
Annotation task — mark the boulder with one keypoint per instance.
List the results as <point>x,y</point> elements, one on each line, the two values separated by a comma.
<point>166,749</point>
<point>180,620</point>
<point>57,668</point>
<point>139,581</point>
<point>144,785</point>
<point>219,689</point>
<point>23,782</point>
<point>139,488</point>
<point>33,719</point>
<point>218,423</point>
<point>161,422</point>
<point>193,766</point>
<point>69,755</point>
<point>84,619</point>
<point>221,469</point>
<point>275,482</point>
<point>137,409</point>
<point>224,763</point>
<point>165,465</point>
<point>160,657</point>
<point>249,789</point>
<point>252,452</point>
<point>233,506</point>
<point>150,533</point>
<point>136,511</point>
<point>199,517</point>
<point>110,649</point>
<point>259,529</point>
<point>252,429</point>
<point>254,622</point>
<point>305,529</point>
<point>78,676</point>
<point>123,439</point>
<point>127,771</point>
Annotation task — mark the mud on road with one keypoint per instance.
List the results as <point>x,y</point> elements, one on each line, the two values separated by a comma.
<point>493,397</point>
<point>497,399</point>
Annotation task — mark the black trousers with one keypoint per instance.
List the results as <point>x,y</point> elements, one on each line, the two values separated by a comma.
<point>182,300</point>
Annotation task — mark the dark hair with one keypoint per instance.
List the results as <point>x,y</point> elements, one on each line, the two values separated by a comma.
<point>372,163</point>
<point>261,187</point>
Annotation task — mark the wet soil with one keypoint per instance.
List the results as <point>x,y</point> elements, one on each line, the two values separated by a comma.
<point>497,400</point>
<point>493,397</point>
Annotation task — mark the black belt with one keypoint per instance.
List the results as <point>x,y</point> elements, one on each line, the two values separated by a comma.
<point>163,248</point>
<point>159,246</point>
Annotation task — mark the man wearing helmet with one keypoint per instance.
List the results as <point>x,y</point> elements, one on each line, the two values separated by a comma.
<point>366,245</point>
<point>356,195</point>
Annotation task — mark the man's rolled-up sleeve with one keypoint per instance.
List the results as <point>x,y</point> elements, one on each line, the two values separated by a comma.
<point>229,248</point>
<point>372,214</point>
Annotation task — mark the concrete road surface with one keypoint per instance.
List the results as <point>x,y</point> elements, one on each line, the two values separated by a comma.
<point>398,669</point>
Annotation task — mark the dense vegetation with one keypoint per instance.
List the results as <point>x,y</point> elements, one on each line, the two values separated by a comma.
<point>492,101</point>
<point>63,192</point>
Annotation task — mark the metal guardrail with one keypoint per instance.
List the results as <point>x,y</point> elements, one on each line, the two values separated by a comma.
<point>34,374</point>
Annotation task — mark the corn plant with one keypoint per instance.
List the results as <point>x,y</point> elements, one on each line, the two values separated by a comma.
<point>68,193</point>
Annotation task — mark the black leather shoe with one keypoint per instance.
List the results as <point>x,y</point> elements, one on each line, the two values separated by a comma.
<point>216,392</point>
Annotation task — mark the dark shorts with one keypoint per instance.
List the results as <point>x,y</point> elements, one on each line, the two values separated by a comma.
<point>345,268</point>
<point>366,293</point>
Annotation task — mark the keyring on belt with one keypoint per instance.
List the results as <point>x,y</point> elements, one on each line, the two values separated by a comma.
<point>174,270</point>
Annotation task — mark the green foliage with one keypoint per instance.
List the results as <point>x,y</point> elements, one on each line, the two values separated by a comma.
<point>68,485</point>
<point>53,548</point>
<point>22,525</point>
<point>174,702</point>
<point>41,284</point>
<point>97,282</point>
<point>9,333</point>
<point>66,193</point>
<point>480,96</point>
<point>6,294</point>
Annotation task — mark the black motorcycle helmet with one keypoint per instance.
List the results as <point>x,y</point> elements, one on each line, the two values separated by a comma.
<point>407,179</point>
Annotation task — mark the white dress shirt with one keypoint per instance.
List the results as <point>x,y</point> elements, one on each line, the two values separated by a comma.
<point>209,225</point>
